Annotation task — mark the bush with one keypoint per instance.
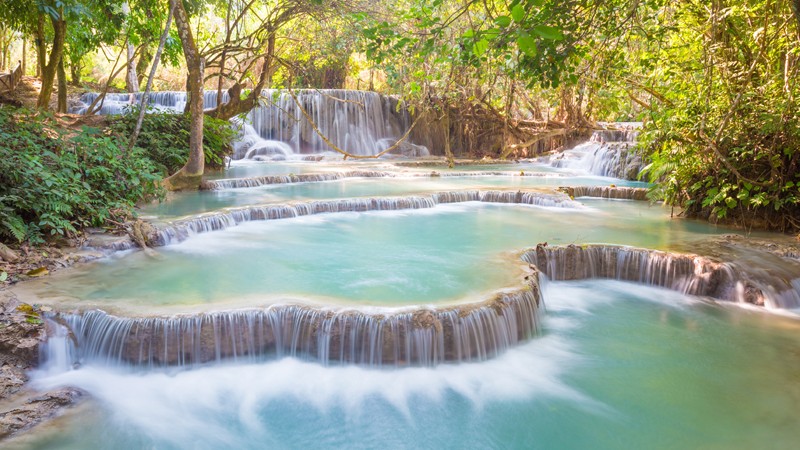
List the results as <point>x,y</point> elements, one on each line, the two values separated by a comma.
<point>165,138</point>
<point>54,181</point>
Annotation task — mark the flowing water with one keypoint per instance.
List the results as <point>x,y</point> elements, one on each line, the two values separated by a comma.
<point>617,366</point>
<point>374,304</point>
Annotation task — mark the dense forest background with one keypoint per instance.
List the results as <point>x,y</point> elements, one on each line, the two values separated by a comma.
<point>715,83</point>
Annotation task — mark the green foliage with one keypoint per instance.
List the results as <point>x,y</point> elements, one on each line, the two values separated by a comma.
<point>164,138</point>
<point>529,40</point>
<point>724,137</point>
<point>53,183</point>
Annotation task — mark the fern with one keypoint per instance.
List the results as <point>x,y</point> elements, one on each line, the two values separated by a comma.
<point>15,227</point>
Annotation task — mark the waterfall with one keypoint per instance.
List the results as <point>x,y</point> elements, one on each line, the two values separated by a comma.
<point>167,101</point>
<point>620,193</point>
<point>249,145</point>
<point>180,230</point>
<point>626,134</point>
<point>236,183</point>
<point>688,274</point>
<point>420,337</point>
<point>609,153</point>
<point>359,122</point>
<point>56,354</point>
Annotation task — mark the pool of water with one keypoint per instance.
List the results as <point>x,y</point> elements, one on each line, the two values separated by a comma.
<point>187,203</point>
<point>444,254</point>
<point>617,366</point>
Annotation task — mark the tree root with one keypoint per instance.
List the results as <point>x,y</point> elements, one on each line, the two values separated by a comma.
<point>141,231</point>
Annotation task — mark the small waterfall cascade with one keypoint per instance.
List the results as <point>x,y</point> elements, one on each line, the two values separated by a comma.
<point>359,122</point>
<point>180,230</point>
<point>166,101</point>
<point>250,145</point>
<point>419,337</point>
<point>628,133</point>
<point>609,153</point>
<point>56,355</point>
<point>688,274</point>
<point>238,183</point>
<point>616,192</point>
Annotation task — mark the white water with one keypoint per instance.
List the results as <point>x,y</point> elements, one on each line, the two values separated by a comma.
<point>358,122</point>
<point>619,365</point>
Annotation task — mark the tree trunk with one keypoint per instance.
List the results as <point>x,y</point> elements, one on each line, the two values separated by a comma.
<point>41,46</point>
<point>62,86</point>
<point>24,54</point>
<point>190,176</point>
<point>144,62</point>
<point>75,73</point>
<point>3,49</point>
<point>236,105</point>
<point>796,11</point>
<point>131,79</point>
<point>221,75</point>
<point>146,95</point>
<point>49,71</point>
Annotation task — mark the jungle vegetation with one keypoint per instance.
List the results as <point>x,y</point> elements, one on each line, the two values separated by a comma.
<point>715,82</point>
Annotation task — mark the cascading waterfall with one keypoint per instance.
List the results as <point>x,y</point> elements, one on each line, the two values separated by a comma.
<point>180,230</point>
<point>57,353</point>
<point>236,183</point>
<point>419,337</point>
<point>609,153</point>
<point>619,193</point>
<point>166,101</point>
<point>630,133</point>
<point>688,274</point>
<point>359,122</point>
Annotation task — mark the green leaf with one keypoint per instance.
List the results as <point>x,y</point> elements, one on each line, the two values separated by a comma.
<point>527,45</point>
<point>3,276</point>
<point>479,48</point>
<point>518,13</point>
<point>503,21</point>
<point>548,32</point>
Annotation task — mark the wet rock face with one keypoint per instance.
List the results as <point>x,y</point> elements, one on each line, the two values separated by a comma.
<point>21,333</point>
<point>36,410</point>
<point>422,337</point>
<point>12,379</point>
<point>686,273</point>
<point>614,192</point>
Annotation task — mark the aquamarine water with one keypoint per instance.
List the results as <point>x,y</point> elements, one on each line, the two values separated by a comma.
<point>448,253</point>
<point>187,203</point>
<point>617,365</point>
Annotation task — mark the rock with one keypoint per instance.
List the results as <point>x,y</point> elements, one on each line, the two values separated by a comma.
<point>20,334</point>
<point>11,380</point>
<point>7,254</point>
<point>425,319</point>
<point>142,232</point>
<point>37,409</point>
